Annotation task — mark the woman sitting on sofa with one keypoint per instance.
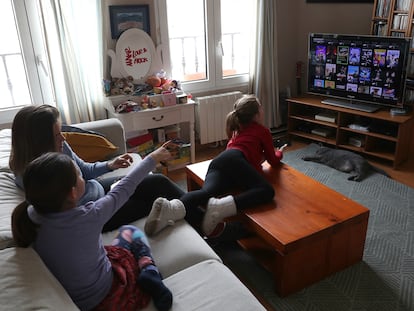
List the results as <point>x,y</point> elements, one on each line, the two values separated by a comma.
<point>37,130</point>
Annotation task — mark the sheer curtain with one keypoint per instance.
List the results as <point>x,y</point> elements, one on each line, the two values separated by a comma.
<point>73,32</point>
<point>264,82</point>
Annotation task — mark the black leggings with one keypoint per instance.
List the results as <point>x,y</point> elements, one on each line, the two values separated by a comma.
<point>140,203</point>
<point>229,171</point>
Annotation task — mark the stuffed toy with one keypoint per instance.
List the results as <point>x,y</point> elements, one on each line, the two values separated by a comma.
<point>122,86</point>
<point>160,83</point>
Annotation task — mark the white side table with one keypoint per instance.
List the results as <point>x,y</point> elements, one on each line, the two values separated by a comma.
<point>154,118</point>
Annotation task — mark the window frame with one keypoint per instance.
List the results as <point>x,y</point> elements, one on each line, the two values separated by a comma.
<point>215,79</point>
<point>29,27</point>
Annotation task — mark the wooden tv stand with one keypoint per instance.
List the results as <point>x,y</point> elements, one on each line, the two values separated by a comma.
<point>389,137</point>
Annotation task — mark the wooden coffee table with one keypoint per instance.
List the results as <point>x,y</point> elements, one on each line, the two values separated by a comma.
<point>307,233</point>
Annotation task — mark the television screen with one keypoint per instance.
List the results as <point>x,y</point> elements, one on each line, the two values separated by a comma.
<point>361,68</point>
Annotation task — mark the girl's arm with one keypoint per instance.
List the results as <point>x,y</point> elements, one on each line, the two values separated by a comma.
<point>121,192</point>
<point>272,156</point>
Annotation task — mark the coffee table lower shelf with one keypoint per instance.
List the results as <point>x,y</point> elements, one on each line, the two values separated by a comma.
<point>312,262</point>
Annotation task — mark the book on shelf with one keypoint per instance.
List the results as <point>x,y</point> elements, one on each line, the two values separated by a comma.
<point>383,7</point>
<point>402,5</point>
<point>400,21</point>
<point>398,34</point>
<point>326,116</point>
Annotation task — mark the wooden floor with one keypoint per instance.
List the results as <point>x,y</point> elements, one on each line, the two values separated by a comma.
<point>404,173</point>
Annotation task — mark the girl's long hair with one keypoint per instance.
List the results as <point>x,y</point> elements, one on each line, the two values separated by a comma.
<point>244,111</point>
<point>32,135</point>
<point>47,181</point>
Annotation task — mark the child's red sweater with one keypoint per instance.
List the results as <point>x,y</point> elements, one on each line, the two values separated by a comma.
<point>256,143</point>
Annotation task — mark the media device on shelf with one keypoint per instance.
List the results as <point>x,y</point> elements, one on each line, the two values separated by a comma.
<point>356,71</point>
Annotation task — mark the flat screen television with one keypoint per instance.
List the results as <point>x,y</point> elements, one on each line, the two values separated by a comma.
<point>358,69</point>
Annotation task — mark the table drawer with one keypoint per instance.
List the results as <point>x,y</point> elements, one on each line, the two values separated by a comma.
<point>148,119</point>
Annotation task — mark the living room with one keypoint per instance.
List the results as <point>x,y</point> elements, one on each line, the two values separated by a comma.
<point>386,264</point>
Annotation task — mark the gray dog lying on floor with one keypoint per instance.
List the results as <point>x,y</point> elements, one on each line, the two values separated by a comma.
<point>344,161</point>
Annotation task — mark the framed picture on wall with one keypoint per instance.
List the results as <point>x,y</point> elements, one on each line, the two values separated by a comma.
<point>339,1</point>
<point>123,17</point>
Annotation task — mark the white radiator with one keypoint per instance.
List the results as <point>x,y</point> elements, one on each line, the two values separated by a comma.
<point>211,117</point>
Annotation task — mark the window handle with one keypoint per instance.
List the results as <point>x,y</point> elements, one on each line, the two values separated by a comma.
<point>220,46</point>
<point>40,63</point>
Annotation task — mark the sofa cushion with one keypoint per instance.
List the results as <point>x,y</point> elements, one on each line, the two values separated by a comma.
<point>27,284</point>
<point>175,248</point>
<point>5,147</point>
<point>206,286</point>
<point>111,128</point>
<point>10,197</point>
<point>90,147</point>
<point>75,129</point>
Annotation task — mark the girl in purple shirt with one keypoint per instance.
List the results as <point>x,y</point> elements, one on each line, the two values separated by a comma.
<point>67,236</point>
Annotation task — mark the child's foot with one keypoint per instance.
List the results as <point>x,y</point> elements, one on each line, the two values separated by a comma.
<point>227,232</point>
<point>216,211</point>
<point>163,213</point>
<point>151,282</point>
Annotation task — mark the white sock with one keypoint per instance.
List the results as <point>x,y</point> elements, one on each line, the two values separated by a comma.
<point>216,211</point>
<point>164,213</point>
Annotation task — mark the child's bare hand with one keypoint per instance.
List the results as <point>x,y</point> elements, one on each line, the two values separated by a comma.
<point>282,148</point>
<point>162,154</point>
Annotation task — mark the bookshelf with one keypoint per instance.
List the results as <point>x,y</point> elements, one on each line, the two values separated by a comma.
<point>392,18</point>
<point>395,18</point>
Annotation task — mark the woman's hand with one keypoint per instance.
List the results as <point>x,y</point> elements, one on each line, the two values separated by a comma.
<point>121,161</point>
<point>162,153</point>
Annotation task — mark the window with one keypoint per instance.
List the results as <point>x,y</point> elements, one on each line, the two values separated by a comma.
<point>209,42</point>
<point>24,78</point>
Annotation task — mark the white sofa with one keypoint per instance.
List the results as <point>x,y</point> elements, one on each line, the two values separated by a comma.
<point>191,269</point>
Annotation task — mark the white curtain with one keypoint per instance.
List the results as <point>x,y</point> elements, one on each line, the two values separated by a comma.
<point>264,81</point>
<point>74,41</point>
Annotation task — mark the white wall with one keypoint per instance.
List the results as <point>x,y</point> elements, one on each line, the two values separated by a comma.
<point>295,19</point>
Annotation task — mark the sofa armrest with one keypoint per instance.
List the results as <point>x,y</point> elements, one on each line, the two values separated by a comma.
<point>111,128</point>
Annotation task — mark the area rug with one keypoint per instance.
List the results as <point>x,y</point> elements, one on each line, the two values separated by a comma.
<point>382,281</point>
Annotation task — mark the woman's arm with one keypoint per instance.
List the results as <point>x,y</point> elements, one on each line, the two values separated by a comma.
<point>89,170</point>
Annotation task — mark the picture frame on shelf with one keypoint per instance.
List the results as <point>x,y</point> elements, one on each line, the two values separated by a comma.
<point>123,17</point>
